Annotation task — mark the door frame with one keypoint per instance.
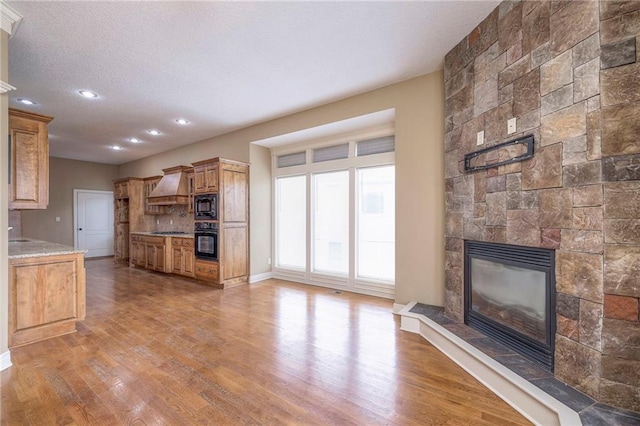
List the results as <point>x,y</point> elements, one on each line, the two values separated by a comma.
<point>75,211</point>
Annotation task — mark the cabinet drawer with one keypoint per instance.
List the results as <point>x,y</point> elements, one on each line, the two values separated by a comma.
<point>182,242</point>
<point>207,271</point>
<point>154,240</point>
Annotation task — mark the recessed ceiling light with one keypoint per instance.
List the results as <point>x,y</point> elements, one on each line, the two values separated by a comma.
<point>182,121</point>
<point>26,101</point>
<point>116,148</point>
<point>153,132</point>
<point>134,140</point>
<point>88,94</point>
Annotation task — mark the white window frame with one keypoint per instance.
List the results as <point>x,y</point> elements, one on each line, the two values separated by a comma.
<point>349,282</point>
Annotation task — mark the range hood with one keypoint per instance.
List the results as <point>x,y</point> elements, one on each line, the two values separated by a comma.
<point>172,189</point>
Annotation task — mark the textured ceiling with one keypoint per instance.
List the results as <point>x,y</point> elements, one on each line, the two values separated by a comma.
<point>220,65</point>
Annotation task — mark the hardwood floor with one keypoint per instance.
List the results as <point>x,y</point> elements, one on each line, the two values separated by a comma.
<point>158,349</point>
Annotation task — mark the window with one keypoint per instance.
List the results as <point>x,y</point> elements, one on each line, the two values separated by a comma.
<point>376,223</point>
<point>291,217</point>
<point>331,222</point>
<point>335,214</point>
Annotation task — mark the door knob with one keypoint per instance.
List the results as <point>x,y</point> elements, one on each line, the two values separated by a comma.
<point>79,229</point>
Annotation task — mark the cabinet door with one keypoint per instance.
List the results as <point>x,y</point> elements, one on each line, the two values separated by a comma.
<point>188,261</point>
<point>160,258</point>
<point>211,178</point>
<point>176,253</point>
<point>29,164</point>
<point>122,241</point>
<point>199,185</point>
<point>234,253</point>
<point>235,202</point>
<point>151,255</point>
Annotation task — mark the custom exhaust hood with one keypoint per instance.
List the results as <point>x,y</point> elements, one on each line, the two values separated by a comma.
<point>172,189</point>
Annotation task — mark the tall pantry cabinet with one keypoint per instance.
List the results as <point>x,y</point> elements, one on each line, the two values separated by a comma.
<point>129,211</point>
<point>230,180</point>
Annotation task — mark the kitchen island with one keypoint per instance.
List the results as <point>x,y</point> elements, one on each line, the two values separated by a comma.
<point>46,290</point>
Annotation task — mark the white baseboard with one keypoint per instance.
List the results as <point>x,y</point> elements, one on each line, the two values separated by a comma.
<point>397,307</point>
<point>5,360</point>
<point>530,401</point>
<point>260,277</point>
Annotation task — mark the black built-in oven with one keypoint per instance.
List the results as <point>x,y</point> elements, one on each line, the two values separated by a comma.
<point>205,207</point>
<point>206,240</point>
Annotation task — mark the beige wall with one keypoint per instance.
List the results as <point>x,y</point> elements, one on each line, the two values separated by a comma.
<point>65,176</point>
<point>419,105</point>
<point>4,182</point>
<point>260,216</point>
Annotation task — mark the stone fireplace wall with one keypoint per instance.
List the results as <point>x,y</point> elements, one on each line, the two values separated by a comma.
<point>570,74</point>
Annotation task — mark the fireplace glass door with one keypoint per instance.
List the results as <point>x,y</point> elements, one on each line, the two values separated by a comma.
<point>510,295</point>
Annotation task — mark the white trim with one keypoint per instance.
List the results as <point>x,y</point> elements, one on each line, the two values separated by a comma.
<point>397,307</point>
<point>327,282</point>
<point>529,400</point>
<point>5,87</point>
<point>10,19</point>
<point>260,277</point>
<point>5,360</point>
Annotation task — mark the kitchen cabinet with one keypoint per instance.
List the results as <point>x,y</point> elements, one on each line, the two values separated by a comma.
<point>138,251</point>
<point>29,160</point>
<point>46,296</point>
<point>157,254</point>
<point>121,241</point>
<point>207,271</point>
<point>128,214</point>
<point>232,186</point>
<point>149,185</point>
<point>205,177</point>
<point>150,252</point>
<point>182,254</point>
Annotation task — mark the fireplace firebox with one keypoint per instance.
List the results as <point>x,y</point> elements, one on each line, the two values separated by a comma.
<point>510,297</point>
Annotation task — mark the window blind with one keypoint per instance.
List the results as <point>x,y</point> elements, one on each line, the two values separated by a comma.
<point>335,152</point>
<point>295,159</point>
<point>376,146</point>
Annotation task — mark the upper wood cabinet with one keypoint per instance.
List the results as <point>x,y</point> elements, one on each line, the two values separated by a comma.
<point>29,160</point>
<point>148,186</point>
<point>205,177</point>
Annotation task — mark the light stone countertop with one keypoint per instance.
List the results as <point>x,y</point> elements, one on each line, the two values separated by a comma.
<point>26,247</point>
<point>163,234</point>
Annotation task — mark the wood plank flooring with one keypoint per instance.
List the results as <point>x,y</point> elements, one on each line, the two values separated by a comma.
<point>161,350</point>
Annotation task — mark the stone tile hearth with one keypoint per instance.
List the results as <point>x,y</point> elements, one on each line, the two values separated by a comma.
<point>591,412</point>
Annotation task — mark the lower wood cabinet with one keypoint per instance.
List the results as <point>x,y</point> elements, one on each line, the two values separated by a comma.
<point>162,254</point>
<point>182,252</point>
<point>46,297</point>
<point>207,271</point>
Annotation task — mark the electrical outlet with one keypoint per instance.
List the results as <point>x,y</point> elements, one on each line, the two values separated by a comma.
<point>57,218</point>
<point>157,221</point>
<point>171,222</point>
<point>269,260</point>
<point>511,125</point>
<point>480,138</point>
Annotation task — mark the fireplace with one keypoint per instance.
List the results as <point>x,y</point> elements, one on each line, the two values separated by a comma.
<point>510,296</point>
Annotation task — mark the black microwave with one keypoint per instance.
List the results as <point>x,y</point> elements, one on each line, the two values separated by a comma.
<point>205,207</point>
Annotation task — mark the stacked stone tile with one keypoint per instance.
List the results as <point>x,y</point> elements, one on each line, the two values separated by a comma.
<point>570,73</point>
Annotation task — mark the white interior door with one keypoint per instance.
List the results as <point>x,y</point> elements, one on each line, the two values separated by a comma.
<point>94,222</point>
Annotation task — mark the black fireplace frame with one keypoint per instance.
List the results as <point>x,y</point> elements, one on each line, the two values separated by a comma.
<point>528,257</point>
